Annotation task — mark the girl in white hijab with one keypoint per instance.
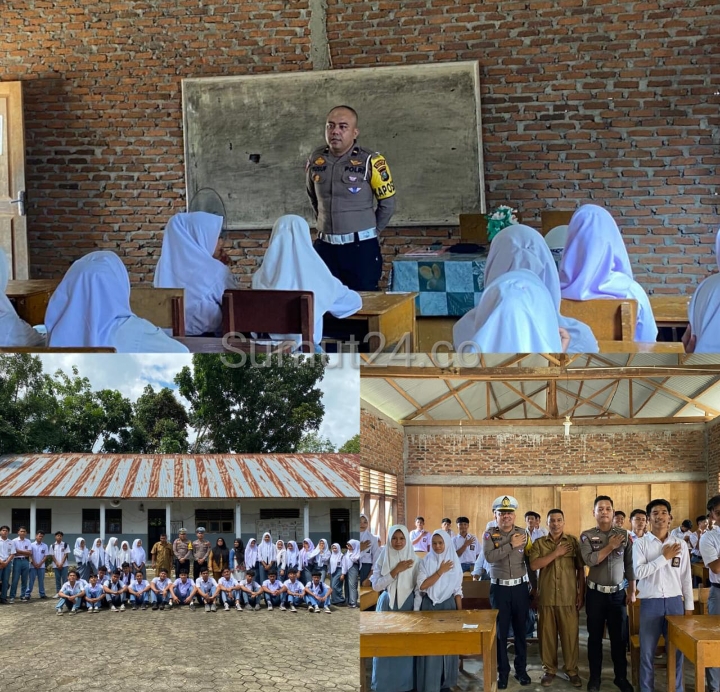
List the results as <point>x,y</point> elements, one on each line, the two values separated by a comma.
<point>280,553</point>
<point>516,314</point>
<point>98,557</point>
<point>439,579</point>
<point>267,556</point>
<point>703,332</point>
<point>335,572</point>
<point>321,556</point>
<point>91,307</point>
<point>595,264</point>
<point>13,330</point>
<point>350,572</point>
<point>394,574</point>
<point>292,264</point>
<point>292,555</point>
<point>138,557</point>
<point>125,554</point>
<point>192,258</point>
<point>112,553</point>
<point>82,558</point>
<point>369,550</point>
<point>522,247</point>
<point>251,556</point>
<point>307,563</point>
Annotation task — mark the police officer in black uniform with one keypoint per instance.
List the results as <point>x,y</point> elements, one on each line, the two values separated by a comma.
<point>607,551</point>
<point>343,181</point>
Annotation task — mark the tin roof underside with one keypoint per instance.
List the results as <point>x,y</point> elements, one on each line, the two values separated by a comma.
<point>180,476</point>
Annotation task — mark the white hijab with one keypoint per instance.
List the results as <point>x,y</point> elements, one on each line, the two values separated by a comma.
<point>404,584</point>
<point>112,551</point>
<point>306,552</point>
<point>292,557</point>
<point>346,561</point>
<point>322,553</point>
<point>704,315</point>
<point>449,582</point>
<point>81,554</point>
<point>335,558</point>
<point>595,264</point>
<point>13,330</point>
<point>186,261</point>
<point>280,552</point>
<point>522,247</point>
<point>267,551</point>
<point>516,314</point>
<point>124,555</point>
<point>251,554</point>
<point>138,552</point>
<point>98,554</point>
<point>291,264</point>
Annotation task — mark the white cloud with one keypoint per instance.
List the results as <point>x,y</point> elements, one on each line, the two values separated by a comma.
<point>130,373</point>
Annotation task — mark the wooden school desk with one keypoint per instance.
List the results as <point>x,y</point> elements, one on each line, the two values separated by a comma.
<point>390,314</point>
<point>214,344</point>
<point>368,597</point>
<point>698,637</point>
<point>30,298</point>
<point>670,311</point>
<point>640,347</point>
<point>431,633</point>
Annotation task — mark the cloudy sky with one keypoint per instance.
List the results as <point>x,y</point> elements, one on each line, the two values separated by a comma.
<point>130,373</point>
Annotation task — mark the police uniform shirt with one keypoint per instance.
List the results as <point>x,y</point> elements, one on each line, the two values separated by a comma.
<point>505,561</point>
<point>710,550</point>
<point>343,190</point>
<point>617,566</point>
<point>470,554</point>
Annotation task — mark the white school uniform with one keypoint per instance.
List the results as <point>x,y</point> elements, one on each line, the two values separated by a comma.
<point>91,308</point>
<point>231,583</point>
<point>206,586</point>
<point>182,590</point>
<point>658,577</point>
<point>291,264</point>
<point>704,315</point>
<point>295,588</point>
<point>423,545</point>
<point>274,588</point>
<point>450,583</point>
<point>186,261</point>
<point>13,330</point>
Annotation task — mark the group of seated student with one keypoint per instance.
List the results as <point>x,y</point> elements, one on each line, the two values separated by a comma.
<point>161,592</point>
<point>91,305</point>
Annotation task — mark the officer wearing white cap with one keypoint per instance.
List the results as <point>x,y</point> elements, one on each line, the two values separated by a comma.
<point>607,551</point>
<point>505,547</point>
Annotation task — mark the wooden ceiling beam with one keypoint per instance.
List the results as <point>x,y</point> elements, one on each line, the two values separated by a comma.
<point>517,403</point>
<point>553,423</point>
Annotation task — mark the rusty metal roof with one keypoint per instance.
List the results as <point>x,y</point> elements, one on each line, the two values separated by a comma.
<point>216,476</point>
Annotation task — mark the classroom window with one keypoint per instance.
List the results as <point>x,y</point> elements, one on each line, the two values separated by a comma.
<point>113,520</point>
<point>285,513</point>
<point>216,520</point>
<point>91,521</point>
<point>378,498</point>
<point>21,517</point>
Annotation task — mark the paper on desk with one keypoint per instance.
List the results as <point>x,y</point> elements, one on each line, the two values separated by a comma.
<point>469,627</point>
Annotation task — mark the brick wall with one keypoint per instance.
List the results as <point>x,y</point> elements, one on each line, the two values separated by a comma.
<point>381,448</point>
<point>713,457</point>
<point>547,453</point>
<point>612,102</point>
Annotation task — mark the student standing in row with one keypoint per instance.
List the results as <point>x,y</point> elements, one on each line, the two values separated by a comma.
<point>710,551</point>
<point>112,553</point>
<point>138,557</point>
<point>419,537</point>
<point>466,545</point>
<point>267,557</point>
<point>350,572</point>
<point>7,552</point>
<point>335,572</point>
<point>218,558</point>
<point>237,560</point>
<point>369,549</point>
<point>21,564</point>
<point>38,552</point>
<point>82,558</point>
<point>98,557</point>
<point>60,552</point>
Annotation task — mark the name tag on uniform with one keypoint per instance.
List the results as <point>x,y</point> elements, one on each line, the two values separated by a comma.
<point>675,562</point>
<point>595,543</point>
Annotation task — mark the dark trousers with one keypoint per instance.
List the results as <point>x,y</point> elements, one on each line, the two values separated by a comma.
<point>512,604</point>
<point>182,566</point>
<point>602,608</point>
<point>358,265</point>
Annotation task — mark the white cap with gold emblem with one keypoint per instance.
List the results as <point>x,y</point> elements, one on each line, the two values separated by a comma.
<point>505,503</point>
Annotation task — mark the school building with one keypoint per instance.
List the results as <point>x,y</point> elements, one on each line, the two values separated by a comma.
<point>553,431</point>
<point>141,496</point>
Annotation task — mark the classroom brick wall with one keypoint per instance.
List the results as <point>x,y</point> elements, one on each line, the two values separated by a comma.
<point>713,457</point>
<point>553,454</point>
<point>382,449</point>
<point>612,102</point>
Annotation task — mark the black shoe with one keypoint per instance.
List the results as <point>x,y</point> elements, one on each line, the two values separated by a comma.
<point>502,681</point>
<point>624,685</point>
<point>523,678</point>
<point>155,607</point>
<point>593,685</point>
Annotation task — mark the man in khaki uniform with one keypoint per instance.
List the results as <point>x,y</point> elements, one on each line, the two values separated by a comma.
<point>162,555</point>
<point>561,594</point>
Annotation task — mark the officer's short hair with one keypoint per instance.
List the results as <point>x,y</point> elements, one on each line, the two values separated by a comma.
<point>658,503</point>
<point>713,502</point>
<point>635,512</point>
<point>600,498</point>
<point>462,520</point>
<point>347,108</point>
<point>555,511</point>
<point>619,513</point>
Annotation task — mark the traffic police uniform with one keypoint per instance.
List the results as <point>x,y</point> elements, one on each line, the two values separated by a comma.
<point>342,192</point>
<point>605,601</point>
<point>509,594</point>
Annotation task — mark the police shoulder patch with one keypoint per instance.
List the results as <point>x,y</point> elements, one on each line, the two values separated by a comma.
<point>583,538</point>
<point>486,536</point>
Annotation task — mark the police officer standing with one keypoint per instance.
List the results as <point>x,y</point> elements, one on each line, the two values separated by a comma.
<point>607,551</point>
<point>343,180</point>
<point>505,548</point>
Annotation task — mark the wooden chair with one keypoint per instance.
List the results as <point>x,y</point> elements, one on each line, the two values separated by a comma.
<point>550,218</point>
<point>700,596</point>
<point>610,320</point>
<point>274,312</point>
<point>164,307</point>
<point>58,349</point>
<point>476,596</point>
<point>698,569</point>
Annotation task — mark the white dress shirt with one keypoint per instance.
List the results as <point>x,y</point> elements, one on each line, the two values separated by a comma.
<point>480,564</point>
<point>59,550</point>
<point>21,544</point>
<point>423,545</point>
<point>656,576</point>
<point>537,533</point>
<point>471,552</point>
<point>7,548</point>
<point>710,550</point>
<point>39,552</point>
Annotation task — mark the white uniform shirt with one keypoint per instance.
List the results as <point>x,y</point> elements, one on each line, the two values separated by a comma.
<point>273,587</point>
<point>690,535</point>
<point>59,550</point>
<point>480,564</point>
<point>537,533</point>
<point>659,577</point>
<point>7,548</point>
<point>470,554</point>
<point>295,588</point>
<point>710,550</point>
<point>161,584</point>
<point>231,583</point>
<point>182,590</point>
<point>21,544</point>
<point>39,552</point>
<point>424,544</point>
<point>206,586</point>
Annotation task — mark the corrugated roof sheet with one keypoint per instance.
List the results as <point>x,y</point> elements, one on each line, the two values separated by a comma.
<point>180,476</point>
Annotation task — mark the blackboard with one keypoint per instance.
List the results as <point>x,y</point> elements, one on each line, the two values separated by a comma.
<point>247,139</point>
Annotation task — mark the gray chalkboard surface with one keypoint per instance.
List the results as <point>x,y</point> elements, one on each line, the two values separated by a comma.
<point>247,139</point>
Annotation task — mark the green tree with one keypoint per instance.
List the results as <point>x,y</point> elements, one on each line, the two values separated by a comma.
<point>160,423</point>
<point>314,442</point>
<point>352,446</point>
<point>239,406</point>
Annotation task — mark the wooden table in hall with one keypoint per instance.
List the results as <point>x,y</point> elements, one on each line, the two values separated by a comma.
<point>368,597</point>
<point>641,347</point>
<point>698,638</point>
<point>30,298</point>
<point>670,311</point>
<point>431,633</point>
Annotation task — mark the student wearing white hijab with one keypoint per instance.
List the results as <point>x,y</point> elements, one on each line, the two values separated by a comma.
<point>267,557</point>
<point>82,558</point>
<point>292,264</point>
<point>91,307</point>
<point>292,556</point>
<point>98,557</point>
<point>522,247</point>
<point>395,574</point>
<point>439,578</point>
<point>125,555</point>
<point>321,556</point>
<point>369,550</point>
<point>112,553</point>
<point>280,559</point>
<point>703,332</point>
<point>307,563</point>
<point>251,556</point>
<point>192,258</point>
<point>13,330</point>
<point>335,572</point>
<point>350,572</point>
<point>516,314</point>
<point>595,264</point>
<point>138,557</point>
